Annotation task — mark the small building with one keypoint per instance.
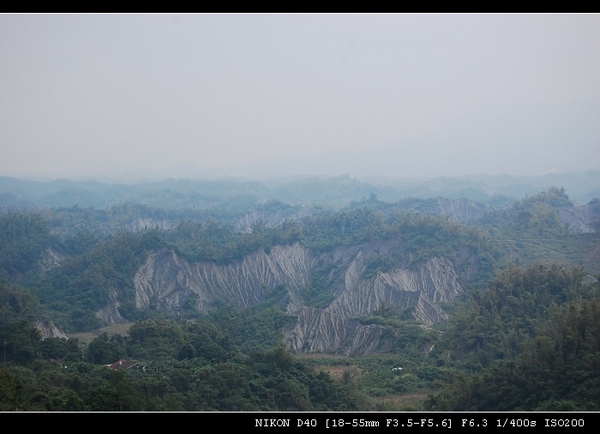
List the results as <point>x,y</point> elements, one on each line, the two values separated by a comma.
<point>124,365</point>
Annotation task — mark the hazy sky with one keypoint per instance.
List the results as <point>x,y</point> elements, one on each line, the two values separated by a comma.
<point>391,94</point>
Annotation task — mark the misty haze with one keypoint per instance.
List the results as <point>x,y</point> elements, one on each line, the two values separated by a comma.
<point>300,213</point>
<point>395,95</point>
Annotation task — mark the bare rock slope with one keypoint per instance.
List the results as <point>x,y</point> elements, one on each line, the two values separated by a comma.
<point>166,281</point>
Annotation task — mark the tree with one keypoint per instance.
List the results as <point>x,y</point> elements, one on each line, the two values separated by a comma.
<point>105,350</point>
<point>17,303</point>
<point>21,342</point>
<point>7,390</point>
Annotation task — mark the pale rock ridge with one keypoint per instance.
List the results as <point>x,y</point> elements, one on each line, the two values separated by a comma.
<point>427,311</point>
<point>320,331</point>
<point>460,210</point>
<point>49,330</point>
<point>50,259</point>
<point>144,223</point>
<point>432,282</point>
<point>166,281</point>
<point>272,218</point>
<point>581,219</point>
<point>110,313</point>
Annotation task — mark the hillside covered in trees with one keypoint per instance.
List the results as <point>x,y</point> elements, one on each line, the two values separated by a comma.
<point>223,299</point>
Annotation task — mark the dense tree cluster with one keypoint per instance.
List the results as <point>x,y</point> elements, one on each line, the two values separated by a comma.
<point>22,238</point>
<point>524,336</point>
<point>178,367</point>
<point>530,341</point>
<point>92,262</point>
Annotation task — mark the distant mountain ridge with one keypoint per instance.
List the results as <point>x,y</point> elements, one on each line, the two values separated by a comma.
<point>337,191</point>
<point>337,258</point>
